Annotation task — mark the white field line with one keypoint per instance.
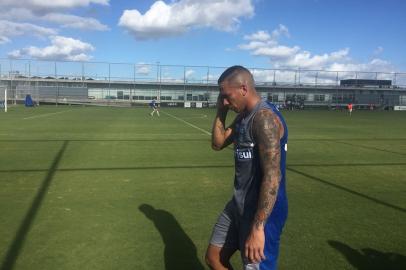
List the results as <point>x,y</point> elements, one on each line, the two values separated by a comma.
<point>44,115</point>
<point>187,123</point>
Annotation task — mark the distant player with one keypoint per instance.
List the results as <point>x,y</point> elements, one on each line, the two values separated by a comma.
<point>154,107</point>
<point>349,106</point>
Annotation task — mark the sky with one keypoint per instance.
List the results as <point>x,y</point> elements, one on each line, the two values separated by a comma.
<point>345,35</point>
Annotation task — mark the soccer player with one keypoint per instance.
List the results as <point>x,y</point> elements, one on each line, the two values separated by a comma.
<point>349,107</point>
<point>154,107</point>
<point>252,221</point>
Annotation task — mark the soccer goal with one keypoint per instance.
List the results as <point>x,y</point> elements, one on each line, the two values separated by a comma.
<point>3,98</point>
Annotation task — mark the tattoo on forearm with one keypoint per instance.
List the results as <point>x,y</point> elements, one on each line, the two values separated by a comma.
<point>267,133</point>
<point>259,224</point>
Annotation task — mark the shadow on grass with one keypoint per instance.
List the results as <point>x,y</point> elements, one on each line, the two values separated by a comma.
<point>370,259</point>
<point>175,139</point>
<point>338,140</point>
<point>348,139</point>
<point>14,250</point>
<point>175,167</point>
<point>347,190</point>
<point>372,148</point>
<point>180,252</point>
<point>346,164</point>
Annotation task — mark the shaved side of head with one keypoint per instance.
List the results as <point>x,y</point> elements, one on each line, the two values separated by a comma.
<point>237,75</point>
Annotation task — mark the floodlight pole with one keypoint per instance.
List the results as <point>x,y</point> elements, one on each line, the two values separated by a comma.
<point>131,95</point>
<point>108,100</point>
<point>5,99</point>
<point>160,83</point>
<point>184,85</point>
<point>57,86</point>
<point>83,74</point>
<point>273,82</point>
<point>299,76</point>
<point>11,81</point>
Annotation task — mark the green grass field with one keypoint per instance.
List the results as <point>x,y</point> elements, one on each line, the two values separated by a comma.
<point>113,188</point>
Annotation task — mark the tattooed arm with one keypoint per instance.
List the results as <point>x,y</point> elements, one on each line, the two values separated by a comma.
<point>221,136</point>
<point>267,131</point>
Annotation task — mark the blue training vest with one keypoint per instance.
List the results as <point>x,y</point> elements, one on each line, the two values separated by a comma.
<point>248,174</point>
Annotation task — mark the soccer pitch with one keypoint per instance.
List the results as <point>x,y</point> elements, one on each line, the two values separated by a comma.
<point>114,188</point>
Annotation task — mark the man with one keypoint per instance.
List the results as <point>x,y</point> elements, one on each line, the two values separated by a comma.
<point>253,219</point>
<point>349,107</point>
<point>154,107</point>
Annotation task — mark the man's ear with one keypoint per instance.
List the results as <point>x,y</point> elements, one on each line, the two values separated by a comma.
<point>244,90</point>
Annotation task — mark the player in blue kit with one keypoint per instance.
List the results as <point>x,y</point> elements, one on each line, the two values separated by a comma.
<point>154,107</point>
<point>252,221</point>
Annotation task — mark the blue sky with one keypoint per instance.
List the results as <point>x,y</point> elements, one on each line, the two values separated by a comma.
<point>368,35</point>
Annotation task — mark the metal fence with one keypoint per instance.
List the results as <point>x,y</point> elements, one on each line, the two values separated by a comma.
<point>127,83</point>
<point>159,73</point>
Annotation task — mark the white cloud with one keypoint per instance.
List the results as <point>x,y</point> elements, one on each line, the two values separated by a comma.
<point>10,29</point>
<point>305,60</point>
<point>73,21</point>
<point>276,52</point>
<point>62,48</point>
<point>4,39</point>
<point>17,14</point>
<point>259,36</point>
<point>41,6</point>
<point>282,30</point>
<point>295,65</point>
<point>378,50</point>
<point>189,73</point>
<point>263,44</point>
<point>255,45</point>
<point>142,69</point>
<point>376,64</point>
<point>45,11</point>
<point>14,54</point>
<point>342,70</point>
<point>163,20</point>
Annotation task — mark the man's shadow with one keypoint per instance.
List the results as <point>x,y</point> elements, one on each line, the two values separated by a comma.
<point>180,252</point>
<point>370,259</point>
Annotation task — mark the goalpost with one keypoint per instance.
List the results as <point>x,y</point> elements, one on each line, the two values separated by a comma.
<point>3,98</point>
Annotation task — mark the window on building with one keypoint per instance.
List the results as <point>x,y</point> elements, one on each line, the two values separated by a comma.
<point>319,97</point>
<point>273,98</point>
<point>301,97</point>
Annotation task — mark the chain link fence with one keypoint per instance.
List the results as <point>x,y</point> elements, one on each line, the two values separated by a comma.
<point>129,84</point>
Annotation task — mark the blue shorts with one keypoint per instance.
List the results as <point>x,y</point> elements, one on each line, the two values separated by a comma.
<point>231,231</point>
